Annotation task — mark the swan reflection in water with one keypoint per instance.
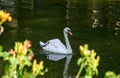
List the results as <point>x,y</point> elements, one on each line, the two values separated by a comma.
<point>57,57</point>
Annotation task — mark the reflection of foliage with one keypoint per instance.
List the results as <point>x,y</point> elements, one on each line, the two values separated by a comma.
<point>111,74</point>
<point>88,62</point>
<point>19,58</point>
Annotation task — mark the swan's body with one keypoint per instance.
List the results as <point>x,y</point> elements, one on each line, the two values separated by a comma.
<point>56,46</point>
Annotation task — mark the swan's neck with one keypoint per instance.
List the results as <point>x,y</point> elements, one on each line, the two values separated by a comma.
<point>69,49</point>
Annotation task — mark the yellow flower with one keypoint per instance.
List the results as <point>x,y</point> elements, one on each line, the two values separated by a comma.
<point>41,65</point>
<point>38,68</point>
<point>4,16</point>
<point>84,50</point>
<point>92,54</point>
<point>97,60</point>
<point>34,67</point>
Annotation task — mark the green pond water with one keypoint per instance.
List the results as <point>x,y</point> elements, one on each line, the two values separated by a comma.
<point>47,21</point>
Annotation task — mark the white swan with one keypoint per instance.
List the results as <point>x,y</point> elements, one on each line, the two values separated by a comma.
<point>56,46</point>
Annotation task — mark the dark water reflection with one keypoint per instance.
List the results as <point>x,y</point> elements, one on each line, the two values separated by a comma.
<point>91,22</point>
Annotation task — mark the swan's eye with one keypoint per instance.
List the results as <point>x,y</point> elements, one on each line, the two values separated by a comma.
<point>69,30</point>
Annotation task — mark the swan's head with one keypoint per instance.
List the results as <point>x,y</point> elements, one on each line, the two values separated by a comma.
<point>67,31</point>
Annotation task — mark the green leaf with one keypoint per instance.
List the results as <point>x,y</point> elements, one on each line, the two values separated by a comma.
<point>30,50</point>
<point>27,61</point>
<point>110,74</point>
<point>1,54</point>
<point>79,61</point>
<point>6,54</point>
<point>13,61</point>
<point>5,76</point>
<point>1,48</point>
<point>27,75</point>
<point>86,76</point>
<point>6,68</point>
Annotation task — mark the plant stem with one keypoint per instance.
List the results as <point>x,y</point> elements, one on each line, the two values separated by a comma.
<point>79,72</point>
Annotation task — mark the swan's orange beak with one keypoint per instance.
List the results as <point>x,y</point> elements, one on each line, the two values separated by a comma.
<point>70,33</point>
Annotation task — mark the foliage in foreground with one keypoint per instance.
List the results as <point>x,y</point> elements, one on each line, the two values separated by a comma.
<point>19,58</point>
<point>110,74</point>
<point>19,62</point>
<point>4,16</point>
<point>89,62</point>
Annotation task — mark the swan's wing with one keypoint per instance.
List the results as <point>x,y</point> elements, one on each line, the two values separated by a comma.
<point>58,44</point>
<point>55,46</point>
<point>42,43</point>
<point>49,48</point>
